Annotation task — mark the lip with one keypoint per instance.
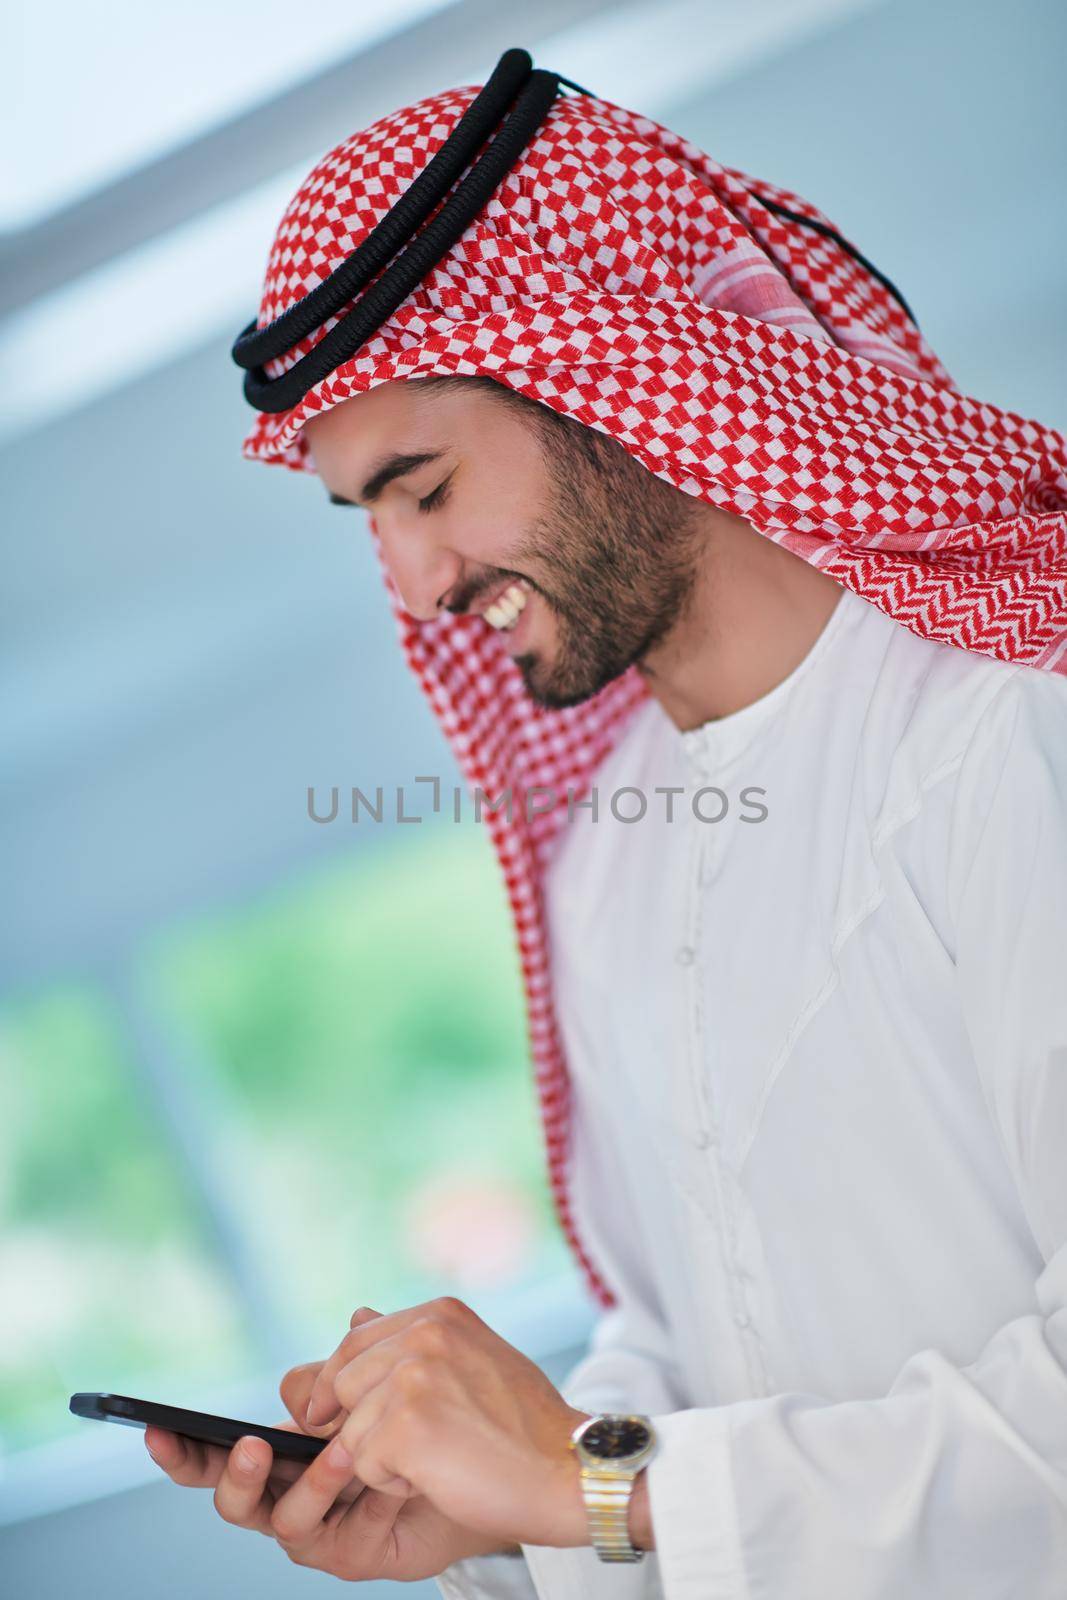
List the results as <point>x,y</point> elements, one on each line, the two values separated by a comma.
<point>482,606</point>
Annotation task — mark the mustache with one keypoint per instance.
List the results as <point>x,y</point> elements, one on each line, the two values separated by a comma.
<point>476,589</point>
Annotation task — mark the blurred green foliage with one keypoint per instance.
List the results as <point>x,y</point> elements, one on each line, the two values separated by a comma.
<point>99,1242</point>
<point>366,1033</point>
<point>85,1147</point>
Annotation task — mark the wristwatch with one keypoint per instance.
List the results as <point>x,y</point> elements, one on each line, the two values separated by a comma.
<point>611,1449</point>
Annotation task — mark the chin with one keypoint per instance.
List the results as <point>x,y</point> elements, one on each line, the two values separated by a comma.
<point>552,691</point>
<point>541,684</point>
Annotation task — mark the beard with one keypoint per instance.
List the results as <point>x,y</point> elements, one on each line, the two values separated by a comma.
<point>615,556</point>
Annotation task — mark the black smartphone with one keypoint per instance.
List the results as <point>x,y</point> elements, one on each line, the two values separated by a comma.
<point>198,1425</point>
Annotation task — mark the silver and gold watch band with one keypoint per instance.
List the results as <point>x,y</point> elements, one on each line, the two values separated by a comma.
<point>607,1502</point>
<point>612,1448</point>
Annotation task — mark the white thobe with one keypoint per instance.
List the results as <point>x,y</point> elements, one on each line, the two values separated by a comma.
<point>819,1064</point>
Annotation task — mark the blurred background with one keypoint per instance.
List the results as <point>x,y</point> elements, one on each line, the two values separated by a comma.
<point>255,1070</point>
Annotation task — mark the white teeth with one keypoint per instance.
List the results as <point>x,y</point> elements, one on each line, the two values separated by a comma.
<point>504,612</point>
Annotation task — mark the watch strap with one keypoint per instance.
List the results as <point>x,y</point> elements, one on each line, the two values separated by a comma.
<point>607,1504</point>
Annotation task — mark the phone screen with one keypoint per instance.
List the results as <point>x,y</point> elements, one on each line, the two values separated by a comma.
<point>199,1425</point>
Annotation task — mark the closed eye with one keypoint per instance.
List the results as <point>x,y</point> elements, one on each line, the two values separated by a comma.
<point>436,497</point>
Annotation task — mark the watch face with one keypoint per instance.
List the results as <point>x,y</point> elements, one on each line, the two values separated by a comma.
<point>614,1438</point>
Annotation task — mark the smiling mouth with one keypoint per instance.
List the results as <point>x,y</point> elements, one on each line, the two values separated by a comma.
<point>508,606</point>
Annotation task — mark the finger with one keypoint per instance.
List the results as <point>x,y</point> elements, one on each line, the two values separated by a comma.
<point>354,1381</point>
<point>242,1494</point>
<point>284,1472</point>
<point>366,1439</point>
<point>195,1465</point>
<point>295,1390</point>
<point>322,1406</point>
<point>192,1464</point>
<point>299,1513</point>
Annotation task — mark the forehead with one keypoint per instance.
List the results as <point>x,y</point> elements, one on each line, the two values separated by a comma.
<point>397,415</point>
<point>355,435</point>
<point>375,417</point>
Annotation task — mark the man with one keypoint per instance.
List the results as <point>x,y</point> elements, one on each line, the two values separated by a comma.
<point>699,554</point>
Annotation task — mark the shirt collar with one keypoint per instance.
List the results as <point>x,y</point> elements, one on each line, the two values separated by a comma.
<point>720,741</point>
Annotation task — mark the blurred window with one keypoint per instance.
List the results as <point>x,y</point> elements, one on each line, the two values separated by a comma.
<point>309,1103</point>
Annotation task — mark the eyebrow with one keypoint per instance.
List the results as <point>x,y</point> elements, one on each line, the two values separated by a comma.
<point>394,466</point>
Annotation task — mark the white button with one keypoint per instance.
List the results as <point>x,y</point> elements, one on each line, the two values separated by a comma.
<point>685,955</point>
<point>706,1140</point>
<point>742,1319</point>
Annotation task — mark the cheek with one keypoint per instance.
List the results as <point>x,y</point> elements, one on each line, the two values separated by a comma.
<point>543,626</point>
<point>493,531</point>
<point>481,543</point>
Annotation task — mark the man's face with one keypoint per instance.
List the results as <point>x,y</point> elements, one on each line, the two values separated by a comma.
<point>581,557</point>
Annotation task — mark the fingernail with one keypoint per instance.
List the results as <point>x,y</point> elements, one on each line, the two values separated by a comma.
<point>340,1457</point>
<point>247,1459</point>
<point>320,1412</point>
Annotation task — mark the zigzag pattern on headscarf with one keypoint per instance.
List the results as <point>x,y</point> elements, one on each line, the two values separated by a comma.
<point>624,278</point>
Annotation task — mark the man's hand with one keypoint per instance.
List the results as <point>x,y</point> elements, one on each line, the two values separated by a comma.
<point>440,1406</point>
<point>321,1515</point>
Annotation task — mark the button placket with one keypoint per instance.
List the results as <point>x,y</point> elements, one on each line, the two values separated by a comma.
<point>703,867</point>
<point>686,956</point>
<point>709,848</point>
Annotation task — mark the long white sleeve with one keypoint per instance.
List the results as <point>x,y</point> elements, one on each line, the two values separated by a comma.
<point>629,1366</point>
<point>953,1485</point>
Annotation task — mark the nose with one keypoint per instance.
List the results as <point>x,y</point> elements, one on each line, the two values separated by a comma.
<point>422,572</point>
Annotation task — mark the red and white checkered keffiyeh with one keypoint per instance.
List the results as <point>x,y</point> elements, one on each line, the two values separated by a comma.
<point>622,277</point>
